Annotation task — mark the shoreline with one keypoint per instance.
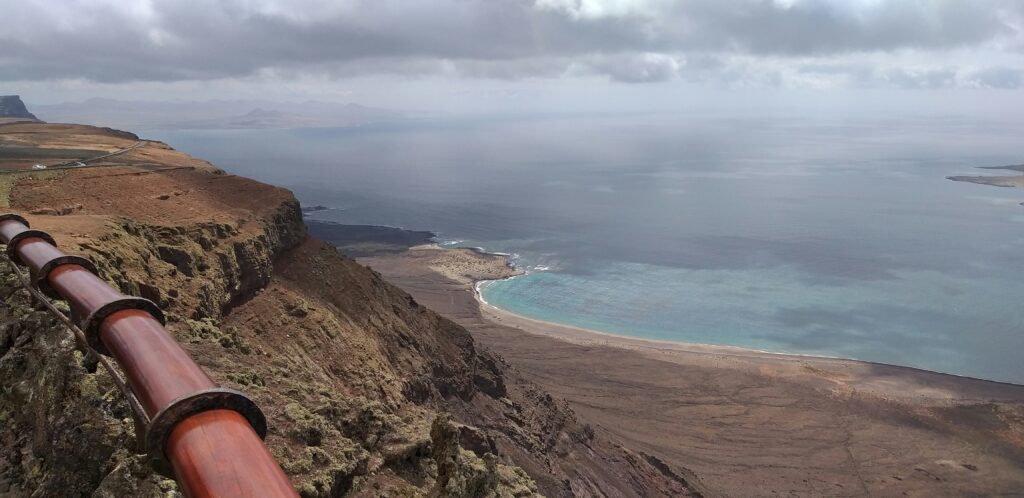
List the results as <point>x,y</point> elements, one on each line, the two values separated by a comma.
<point>740,420</point>
<point>585,336</point>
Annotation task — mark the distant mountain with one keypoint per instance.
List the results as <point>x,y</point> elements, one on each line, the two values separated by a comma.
<point>11,106</point>
<point>1011,167</point>
<point>216,114</point>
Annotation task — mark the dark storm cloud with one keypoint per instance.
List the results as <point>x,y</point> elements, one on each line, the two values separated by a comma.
<point>108,41</point>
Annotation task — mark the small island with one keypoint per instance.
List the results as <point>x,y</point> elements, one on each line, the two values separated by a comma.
<point>995,181</point>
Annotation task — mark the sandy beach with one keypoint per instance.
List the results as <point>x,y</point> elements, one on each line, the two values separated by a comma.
<point>744,422</point>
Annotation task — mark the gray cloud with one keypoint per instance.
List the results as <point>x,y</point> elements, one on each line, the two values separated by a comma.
<point>922,78</point>
<point>999,77</point>
<point>807,28</point>
<point>654,40</point>
<point>635,68</point>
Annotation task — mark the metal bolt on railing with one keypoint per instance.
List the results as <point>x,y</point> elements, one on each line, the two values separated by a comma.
<point>208,437</point>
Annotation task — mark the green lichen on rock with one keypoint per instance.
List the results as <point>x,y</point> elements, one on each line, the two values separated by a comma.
<point>462,473</point>
<point>309,428</point>
<point>249,378</point>
<point>132,476</point>
<point>65,424</point>
<point>327,462</point>
<point>207,330</point>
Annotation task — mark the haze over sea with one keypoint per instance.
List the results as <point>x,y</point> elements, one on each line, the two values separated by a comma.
<point>832,236</point>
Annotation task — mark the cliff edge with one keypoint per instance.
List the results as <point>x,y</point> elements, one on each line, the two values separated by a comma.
<point>367,392</point>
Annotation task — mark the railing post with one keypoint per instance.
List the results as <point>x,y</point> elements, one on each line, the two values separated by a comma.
<point>209,437</point>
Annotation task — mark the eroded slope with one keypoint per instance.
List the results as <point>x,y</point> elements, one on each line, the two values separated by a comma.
<point>366,391</point>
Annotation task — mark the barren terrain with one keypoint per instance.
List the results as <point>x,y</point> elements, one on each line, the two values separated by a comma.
<point>750,423</point>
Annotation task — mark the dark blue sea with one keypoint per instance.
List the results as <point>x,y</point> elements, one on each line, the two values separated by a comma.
<point>835,236</point>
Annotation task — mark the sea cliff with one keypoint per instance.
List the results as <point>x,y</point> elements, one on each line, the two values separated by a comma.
<point>367,391</point>
<point>12,107</point>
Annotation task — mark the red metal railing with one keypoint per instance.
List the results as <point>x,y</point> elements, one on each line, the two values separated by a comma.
<point>209,436</point>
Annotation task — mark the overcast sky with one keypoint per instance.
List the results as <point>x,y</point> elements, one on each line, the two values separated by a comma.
<point>520,54</point>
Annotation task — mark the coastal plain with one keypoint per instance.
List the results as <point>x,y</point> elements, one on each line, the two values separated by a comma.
<point>746,423</point>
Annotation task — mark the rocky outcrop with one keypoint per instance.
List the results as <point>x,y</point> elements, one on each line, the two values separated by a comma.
<point>11,106</point>
<point>65,424</point>
<point>467,473</point>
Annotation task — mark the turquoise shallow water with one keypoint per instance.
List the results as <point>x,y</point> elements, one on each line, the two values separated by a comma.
<point>819,235</point>
<point>772,310</point>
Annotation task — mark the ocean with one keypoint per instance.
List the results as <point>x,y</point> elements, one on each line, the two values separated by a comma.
<point>825,235</point>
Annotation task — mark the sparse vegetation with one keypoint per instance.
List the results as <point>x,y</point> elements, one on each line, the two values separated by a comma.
<point>8,180</point>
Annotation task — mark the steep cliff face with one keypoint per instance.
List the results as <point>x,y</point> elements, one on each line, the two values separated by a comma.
<point>366,391</point>
<point>335,399</point>
<point>11,106</point>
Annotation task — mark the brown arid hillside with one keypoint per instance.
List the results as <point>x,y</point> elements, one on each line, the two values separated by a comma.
<point>367,392</point>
